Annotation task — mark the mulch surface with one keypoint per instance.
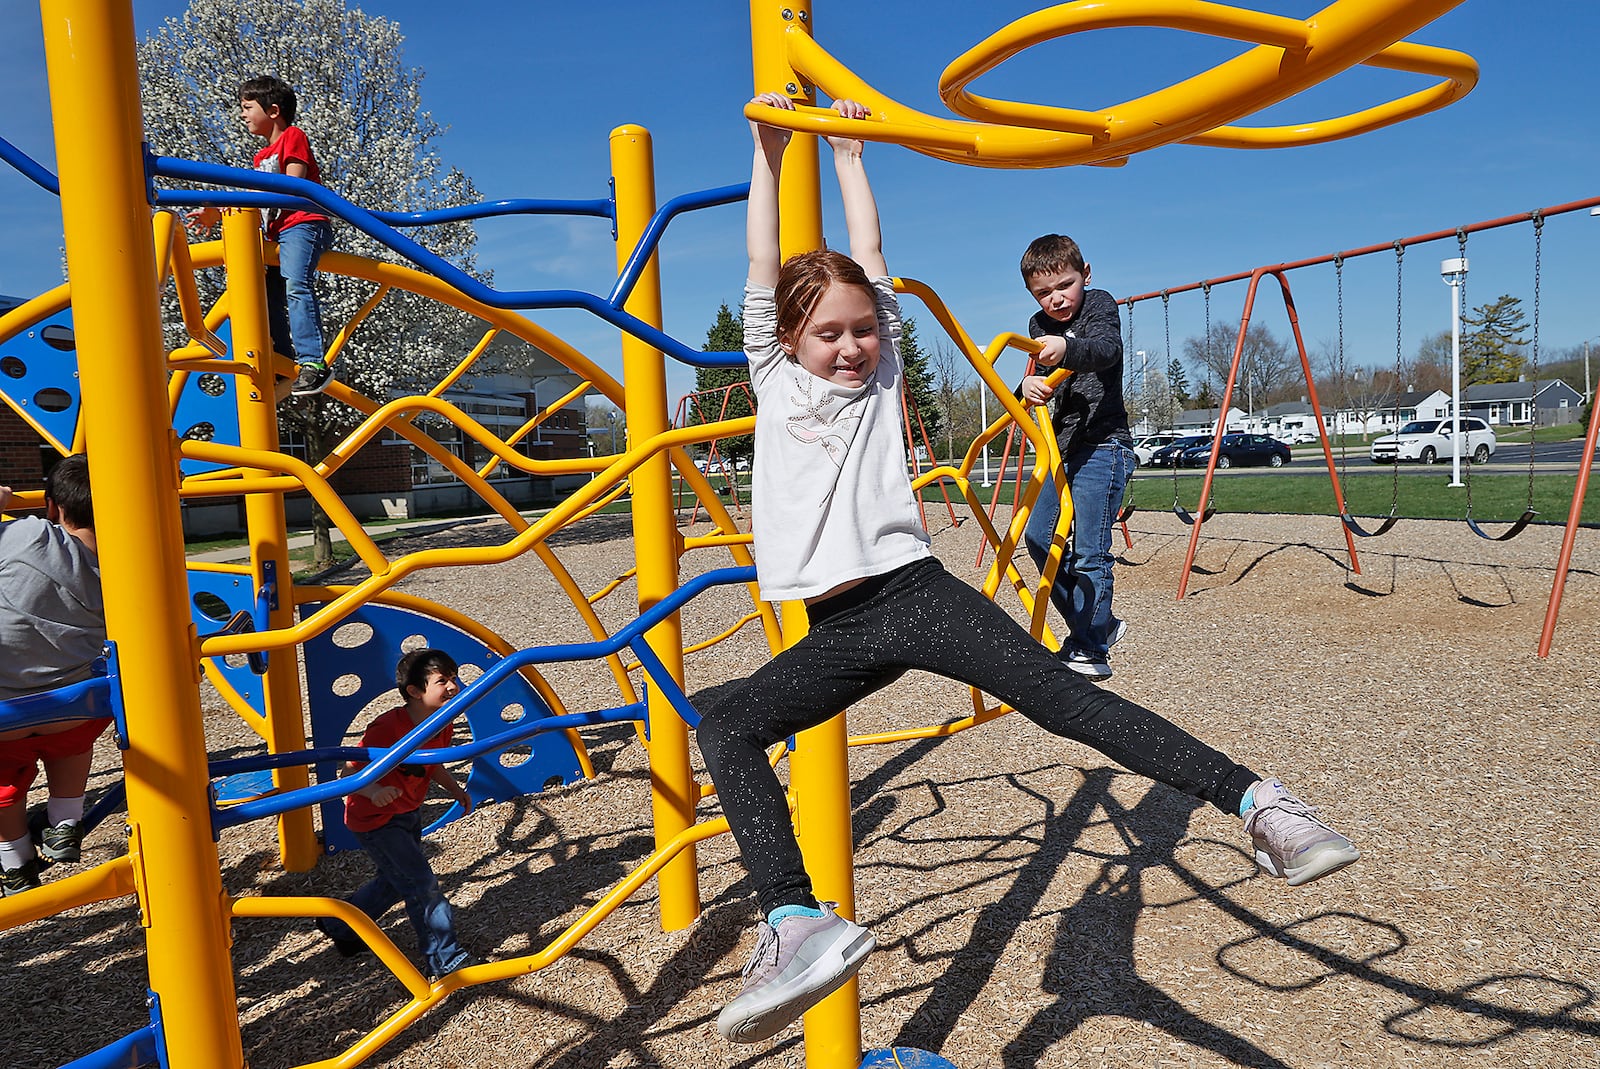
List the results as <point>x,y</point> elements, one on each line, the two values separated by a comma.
<point>1035,905</point>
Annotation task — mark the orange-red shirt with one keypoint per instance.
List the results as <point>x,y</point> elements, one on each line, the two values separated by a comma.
<point>360,814</point>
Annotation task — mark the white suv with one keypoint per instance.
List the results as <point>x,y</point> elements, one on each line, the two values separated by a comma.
<point>1428,440</point>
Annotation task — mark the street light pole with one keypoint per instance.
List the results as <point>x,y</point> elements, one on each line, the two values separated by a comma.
<point>983,417</point>
<point>1454,272</point>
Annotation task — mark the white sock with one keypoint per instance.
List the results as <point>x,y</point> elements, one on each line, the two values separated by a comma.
<point>64,810</point>
<point>16,853</point>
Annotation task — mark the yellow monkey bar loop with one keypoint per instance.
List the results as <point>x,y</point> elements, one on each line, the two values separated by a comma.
<point>1290,55</point>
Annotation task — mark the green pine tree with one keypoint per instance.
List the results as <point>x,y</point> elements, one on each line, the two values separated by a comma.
<point>920,384</point>
<point>1178,382</point>
<point>711,383</point>
<point>1491,350</point>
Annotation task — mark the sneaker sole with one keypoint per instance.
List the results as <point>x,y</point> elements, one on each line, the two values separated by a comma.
<point>1321,863</point>
<point>1091,671</point>
<point>68,856</point>
<point>832,971</point>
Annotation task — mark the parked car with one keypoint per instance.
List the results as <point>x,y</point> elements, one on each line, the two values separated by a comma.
<point>1168,455</point>
<point>1242,450</point>
<point>1145,447</point>
<point>1429,440</point>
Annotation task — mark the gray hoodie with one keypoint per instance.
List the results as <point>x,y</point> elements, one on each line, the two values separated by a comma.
<point>52,619</point>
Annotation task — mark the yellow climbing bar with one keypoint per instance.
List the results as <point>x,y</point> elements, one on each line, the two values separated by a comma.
<point>1288,57</point>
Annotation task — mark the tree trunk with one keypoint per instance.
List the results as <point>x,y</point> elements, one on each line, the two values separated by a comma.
<point>317,447</point>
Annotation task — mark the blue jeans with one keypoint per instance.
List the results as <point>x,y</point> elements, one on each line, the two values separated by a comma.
<point>404,874</point>
<point>293,313</point>
<point>1096,478</point>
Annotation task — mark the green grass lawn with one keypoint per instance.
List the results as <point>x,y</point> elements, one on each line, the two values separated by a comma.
<point>1495,498</point>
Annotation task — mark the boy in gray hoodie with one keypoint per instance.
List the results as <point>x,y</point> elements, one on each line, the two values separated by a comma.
<point>52,627</point>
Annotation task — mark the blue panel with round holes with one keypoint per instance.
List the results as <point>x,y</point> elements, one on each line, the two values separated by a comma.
<point>208,410</point>
<point>213,598</point>
<point>350,666</point>
<point>39,376</point>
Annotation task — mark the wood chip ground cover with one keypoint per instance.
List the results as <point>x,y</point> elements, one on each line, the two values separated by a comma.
<point>1035,905</point>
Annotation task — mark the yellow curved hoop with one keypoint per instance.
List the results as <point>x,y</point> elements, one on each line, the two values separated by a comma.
<point>1290,56</point>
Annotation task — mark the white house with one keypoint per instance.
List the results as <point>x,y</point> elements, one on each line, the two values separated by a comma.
<point>1204,421</point>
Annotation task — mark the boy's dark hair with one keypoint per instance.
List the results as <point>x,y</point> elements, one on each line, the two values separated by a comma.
<point>415,668</point>
<point>267,91</point>
<point>67,484</point>
<point>1049,254</point>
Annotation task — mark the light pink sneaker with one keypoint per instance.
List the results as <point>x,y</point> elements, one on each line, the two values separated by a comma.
<point>1291,840</point>
<point>795,966</point>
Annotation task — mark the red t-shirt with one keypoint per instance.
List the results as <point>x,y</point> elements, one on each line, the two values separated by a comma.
<point>360,814</point>
<point>292,146</point>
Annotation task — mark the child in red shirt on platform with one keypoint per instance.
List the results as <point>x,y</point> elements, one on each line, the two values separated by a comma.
<point>267,106</point>
<point>385,818</point>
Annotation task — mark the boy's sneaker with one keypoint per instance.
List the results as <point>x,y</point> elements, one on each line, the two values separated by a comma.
<point>23,878</point>
<point>1119,628</point>
<point>1087,664</point>
<point>57,842</point>
<point>347,948</point>
<point>313,378</point>
<point>795,966</point>
<point>1291,841</point>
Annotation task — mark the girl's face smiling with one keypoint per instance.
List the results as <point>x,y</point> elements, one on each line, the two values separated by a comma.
<point>839,342</point>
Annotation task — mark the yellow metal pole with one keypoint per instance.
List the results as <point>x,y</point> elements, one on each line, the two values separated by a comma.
<point>94,99</point>
<point>657,545</point>
<point>819,769</point>
<point>284,724</point>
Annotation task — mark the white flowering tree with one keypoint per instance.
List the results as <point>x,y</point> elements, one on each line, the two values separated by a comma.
<point>361,108</point>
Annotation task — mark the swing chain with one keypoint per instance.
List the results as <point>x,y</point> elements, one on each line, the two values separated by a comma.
<point>1533,409</point>
<point>1344,382</point>
<point>1166,320</point>
<point>1399,357</point>
<point>1129,349</point>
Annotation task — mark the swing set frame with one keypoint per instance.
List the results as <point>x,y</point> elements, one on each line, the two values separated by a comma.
<point>1350,529</point>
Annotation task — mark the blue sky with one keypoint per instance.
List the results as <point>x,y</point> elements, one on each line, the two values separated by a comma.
<point>530,93</point>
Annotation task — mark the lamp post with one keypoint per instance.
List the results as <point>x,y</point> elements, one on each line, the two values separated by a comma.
<point>1454,273</point>
<point>983,418</point>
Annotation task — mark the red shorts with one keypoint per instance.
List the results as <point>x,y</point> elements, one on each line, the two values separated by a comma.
<point>19,758</point>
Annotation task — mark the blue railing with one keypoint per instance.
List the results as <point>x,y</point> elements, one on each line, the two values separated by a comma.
<point>256,189</point>
<point>406,749</point>
<point>299,192</point>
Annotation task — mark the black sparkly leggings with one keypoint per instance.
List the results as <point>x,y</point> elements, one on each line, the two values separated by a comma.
<point>920,616</point>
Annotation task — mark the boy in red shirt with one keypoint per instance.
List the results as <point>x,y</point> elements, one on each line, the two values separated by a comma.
<point>267,106</point>
<point>385,817</point>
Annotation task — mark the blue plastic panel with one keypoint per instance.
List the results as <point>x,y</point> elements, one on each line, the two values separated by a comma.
<point>351,665</point>
<point>39,376</point>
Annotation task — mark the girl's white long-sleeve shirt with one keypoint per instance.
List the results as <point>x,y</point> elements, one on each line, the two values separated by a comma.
<point>831,497</point>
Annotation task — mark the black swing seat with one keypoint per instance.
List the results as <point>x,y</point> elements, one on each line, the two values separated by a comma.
<point>1509,533</point>
<point>1356,529</point>
<point>1124,513</point>
<point>1188,518</point>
